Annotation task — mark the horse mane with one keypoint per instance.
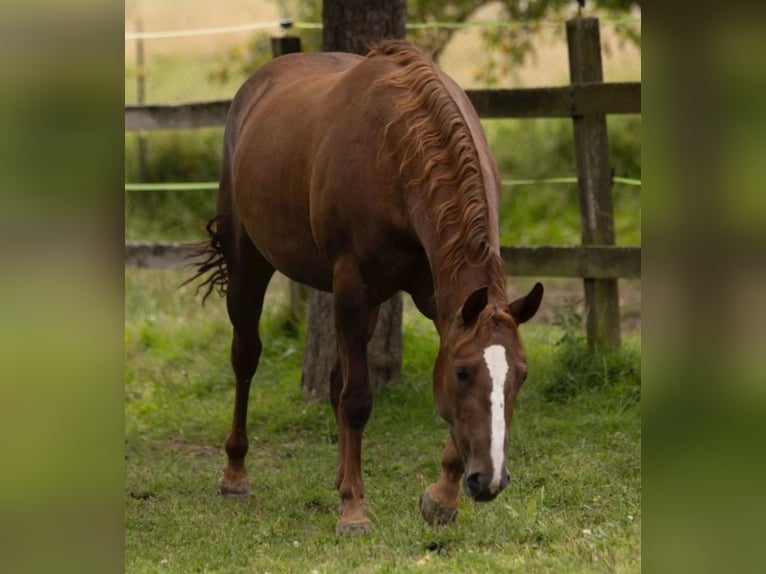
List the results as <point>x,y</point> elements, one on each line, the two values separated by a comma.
<point>437,133</point>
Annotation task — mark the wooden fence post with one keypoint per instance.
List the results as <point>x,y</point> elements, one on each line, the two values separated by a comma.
<point>143,157</point>
<point>285,45</point>
<point>602,307</point>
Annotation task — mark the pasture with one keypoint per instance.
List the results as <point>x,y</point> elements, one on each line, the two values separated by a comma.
<point>573,503</point>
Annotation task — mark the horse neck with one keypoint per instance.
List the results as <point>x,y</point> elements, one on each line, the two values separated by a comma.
<point>451,186</point>
<point>452,291</point>
<point>454,283</point>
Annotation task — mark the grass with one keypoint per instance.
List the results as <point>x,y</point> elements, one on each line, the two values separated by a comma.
<point>573,503</point>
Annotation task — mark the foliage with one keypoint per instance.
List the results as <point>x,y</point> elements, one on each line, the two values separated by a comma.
<point>510,45</point>
<point>173,156</point>
<point>241,61</point>
<point>625,145</point>
<point>542,214</point>
<point>513,43</point>
<point>576,370</point>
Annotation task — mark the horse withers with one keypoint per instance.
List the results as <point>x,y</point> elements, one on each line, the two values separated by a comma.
<point>365,176</point>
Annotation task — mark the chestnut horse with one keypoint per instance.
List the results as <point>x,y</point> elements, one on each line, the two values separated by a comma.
<point>364,177</point>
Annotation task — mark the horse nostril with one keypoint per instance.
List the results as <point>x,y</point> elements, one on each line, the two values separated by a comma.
<point>477,486</point>
<point>473,484</point>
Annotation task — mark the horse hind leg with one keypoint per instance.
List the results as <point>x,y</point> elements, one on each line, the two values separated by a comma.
<point>248,279</point>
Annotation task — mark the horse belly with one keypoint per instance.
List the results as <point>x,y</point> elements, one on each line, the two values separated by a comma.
<point>271,191</point>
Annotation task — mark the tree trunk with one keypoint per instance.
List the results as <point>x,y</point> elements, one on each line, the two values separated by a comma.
<point>352,26</point>
<point>384,353</point>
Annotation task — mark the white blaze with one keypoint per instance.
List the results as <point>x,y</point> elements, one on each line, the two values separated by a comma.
<point>497,366</point>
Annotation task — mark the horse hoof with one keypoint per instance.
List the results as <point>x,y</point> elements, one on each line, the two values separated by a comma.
<point>352,528</point>
<point>434,512</point>
<point>235,490</point>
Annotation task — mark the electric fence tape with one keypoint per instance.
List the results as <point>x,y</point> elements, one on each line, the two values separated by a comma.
<point>288,23</point>
<point>213,185</point>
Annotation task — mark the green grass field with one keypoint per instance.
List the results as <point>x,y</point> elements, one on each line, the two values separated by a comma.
<point>573,503</point>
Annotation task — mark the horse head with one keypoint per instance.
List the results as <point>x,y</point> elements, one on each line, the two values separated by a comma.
<point>478,373</point>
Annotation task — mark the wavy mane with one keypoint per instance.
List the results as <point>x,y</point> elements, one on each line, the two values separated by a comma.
<point>437,133</point>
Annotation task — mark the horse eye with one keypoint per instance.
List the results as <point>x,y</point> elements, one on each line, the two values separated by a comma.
<point>462,375</point>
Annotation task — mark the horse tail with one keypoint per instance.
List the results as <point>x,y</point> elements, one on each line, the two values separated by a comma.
<point>210,262</point>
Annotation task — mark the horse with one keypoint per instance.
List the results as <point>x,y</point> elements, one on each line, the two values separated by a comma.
<point>363,177</point>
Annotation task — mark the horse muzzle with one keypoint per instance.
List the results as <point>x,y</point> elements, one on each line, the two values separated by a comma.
<point>478,486</point>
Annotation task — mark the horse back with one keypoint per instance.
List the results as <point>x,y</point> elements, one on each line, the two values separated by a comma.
<point>308,180</point>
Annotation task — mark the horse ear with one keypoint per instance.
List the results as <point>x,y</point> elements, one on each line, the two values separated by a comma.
<point>524,308</point>
<point>474,305</point>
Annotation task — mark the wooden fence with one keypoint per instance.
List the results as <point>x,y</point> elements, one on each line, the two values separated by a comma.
<point>587,100</point>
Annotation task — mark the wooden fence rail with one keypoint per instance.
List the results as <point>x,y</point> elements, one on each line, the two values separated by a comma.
<point>599,262</point>
<point>562,102</point>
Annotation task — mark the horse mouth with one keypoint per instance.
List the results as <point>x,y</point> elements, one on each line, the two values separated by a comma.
<point>481,496</point>
<point>480,488</point>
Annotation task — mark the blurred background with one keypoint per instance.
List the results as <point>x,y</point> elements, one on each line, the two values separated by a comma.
<point>205,59</point>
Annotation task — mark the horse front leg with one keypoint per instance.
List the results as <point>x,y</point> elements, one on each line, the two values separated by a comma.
<point>336,387</point>
<point>354,411</point>
<point>353,317</point>
<point>438,505</point>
